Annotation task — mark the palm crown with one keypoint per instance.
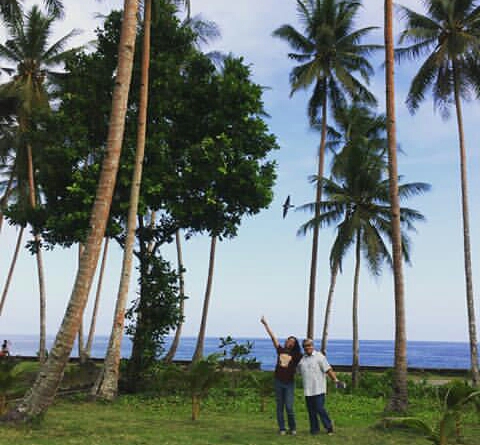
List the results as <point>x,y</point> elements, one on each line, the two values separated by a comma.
<point>329,52</point>
<point>448,36</point>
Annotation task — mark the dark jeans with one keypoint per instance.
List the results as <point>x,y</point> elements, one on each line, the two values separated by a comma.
<point>316,407</point>
<point>284,395</point>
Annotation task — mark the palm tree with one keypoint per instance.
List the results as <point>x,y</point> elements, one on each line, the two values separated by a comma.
<point>12,9</point>
<point>357,198</point>
<point>399,399</point>
<point>28,49</point>
<point>448,35</point>
<point>356,125</point>
<point>38,399</point>
<point>329,54</point>
<point>107,385</point>
<point>198,353</point>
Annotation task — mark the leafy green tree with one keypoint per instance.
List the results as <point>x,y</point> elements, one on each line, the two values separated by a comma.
<point>358,201</point>
<point>329,56</point>
<point>448,36</point>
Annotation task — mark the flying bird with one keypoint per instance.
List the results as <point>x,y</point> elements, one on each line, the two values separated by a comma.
<point>286,206</point>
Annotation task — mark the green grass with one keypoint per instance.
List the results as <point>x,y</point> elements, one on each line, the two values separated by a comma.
<point>135,420</point>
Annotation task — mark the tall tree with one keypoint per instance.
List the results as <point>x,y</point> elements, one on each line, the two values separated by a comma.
<point>448,36</point>
<point>399,399</point>
<point>28,48</point>
<point>356,126</point>
<point>329,54</point>
<point>357,198</point>
<point>108,386</point>
<point>44,389</point>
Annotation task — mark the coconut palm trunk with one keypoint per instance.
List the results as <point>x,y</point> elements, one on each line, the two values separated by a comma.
<point>328,309</point>
<point>39,398</point>
<point>316,228</point>
<point>399,399</point>
<point>466,237</point>
<point>11,269</point>
<point>181,284</point>
<point>108,387</point>
<point>93,323</point>
<point>80,338</point>
<point>198,354</point>
<point>355,341</point>
<point>42,352</point>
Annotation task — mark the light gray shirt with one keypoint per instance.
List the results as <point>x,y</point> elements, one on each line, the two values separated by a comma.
<point>313,369</point>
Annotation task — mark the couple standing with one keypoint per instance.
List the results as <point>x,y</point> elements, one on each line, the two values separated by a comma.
<point>313,367</point>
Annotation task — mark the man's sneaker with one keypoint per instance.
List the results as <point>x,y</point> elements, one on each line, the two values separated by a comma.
<point>282,432</point>
<point>330,431</point>
<point>293,432</point>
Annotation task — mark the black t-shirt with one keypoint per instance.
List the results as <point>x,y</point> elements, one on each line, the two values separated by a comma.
<point>286,364</point>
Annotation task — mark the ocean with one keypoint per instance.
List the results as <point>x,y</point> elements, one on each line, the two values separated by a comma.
<point>421,354</point>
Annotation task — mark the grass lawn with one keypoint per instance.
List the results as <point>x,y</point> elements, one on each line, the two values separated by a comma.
<point>135,420</point>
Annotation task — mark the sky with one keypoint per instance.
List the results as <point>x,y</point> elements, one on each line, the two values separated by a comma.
<point>265,269</point>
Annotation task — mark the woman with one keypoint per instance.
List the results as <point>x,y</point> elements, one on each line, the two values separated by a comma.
<point>288,357</point>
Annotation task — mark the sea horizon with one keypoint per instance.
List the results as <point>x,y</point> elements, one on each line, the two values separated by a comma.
<point>420,354</point>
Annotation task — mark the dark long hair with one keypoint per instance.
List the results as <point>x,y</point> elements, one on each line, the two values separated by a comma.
<point>296,347</point>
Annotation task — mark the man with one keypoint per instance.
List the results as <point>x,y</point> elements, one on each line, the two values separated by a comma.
<point>314,368</point>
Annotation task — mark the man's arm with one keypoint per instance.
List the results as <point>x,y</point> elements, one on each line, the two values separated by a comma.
<point>270,333</point>
<point>338,383</point>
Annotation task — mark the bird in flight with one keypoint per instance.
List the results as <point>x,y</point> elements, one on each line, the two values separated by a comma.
<point>286,206</point>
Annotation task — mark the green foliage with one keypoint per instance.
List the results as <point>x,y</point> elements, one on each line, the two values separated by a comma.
<point>151,315</point>
<point>237,354</point>
<point>329,54</point>
<point>457,397</point>
<point>447,37</point>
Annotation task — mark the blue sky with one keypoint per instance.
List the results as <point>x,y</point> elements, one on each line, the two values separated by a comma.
<point>264,271</point>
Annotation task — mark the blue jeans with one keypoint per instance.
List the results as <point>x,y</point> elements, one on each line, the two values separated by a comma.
<point>284,395</point>
<point>316,407</point>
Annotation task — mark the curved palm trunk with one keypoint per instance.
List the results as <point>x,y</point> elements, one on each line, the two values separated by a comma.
<point>11,269</point>
<point>399,399</point>
<point>80,342</point>
<point>355,342</point>
<point>38,399</point>
<point>472,331</point>
<point>93,323</point>
<point>316,229</point>
<point>198,354</point>
<point>176,341</point>
<point>42,352</point>
<point>108,387</point>
<point>4,199</point>
<point>328,309</point>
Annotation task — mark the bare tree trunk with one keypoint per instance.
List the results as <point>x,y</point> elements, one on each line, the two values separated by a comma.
<point>316,228</point>
<point>472,329</point>
<point>12,267</point>
<point>356,343</point>
<point>82,359</point>
<point>108,386</point>
<point>42,353</point>
<point>39,398</point>
<point>91,332</point>
<point>198,354</point>
<point>176,341</point>
<point>328,310</point>
<point>399,399</point>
